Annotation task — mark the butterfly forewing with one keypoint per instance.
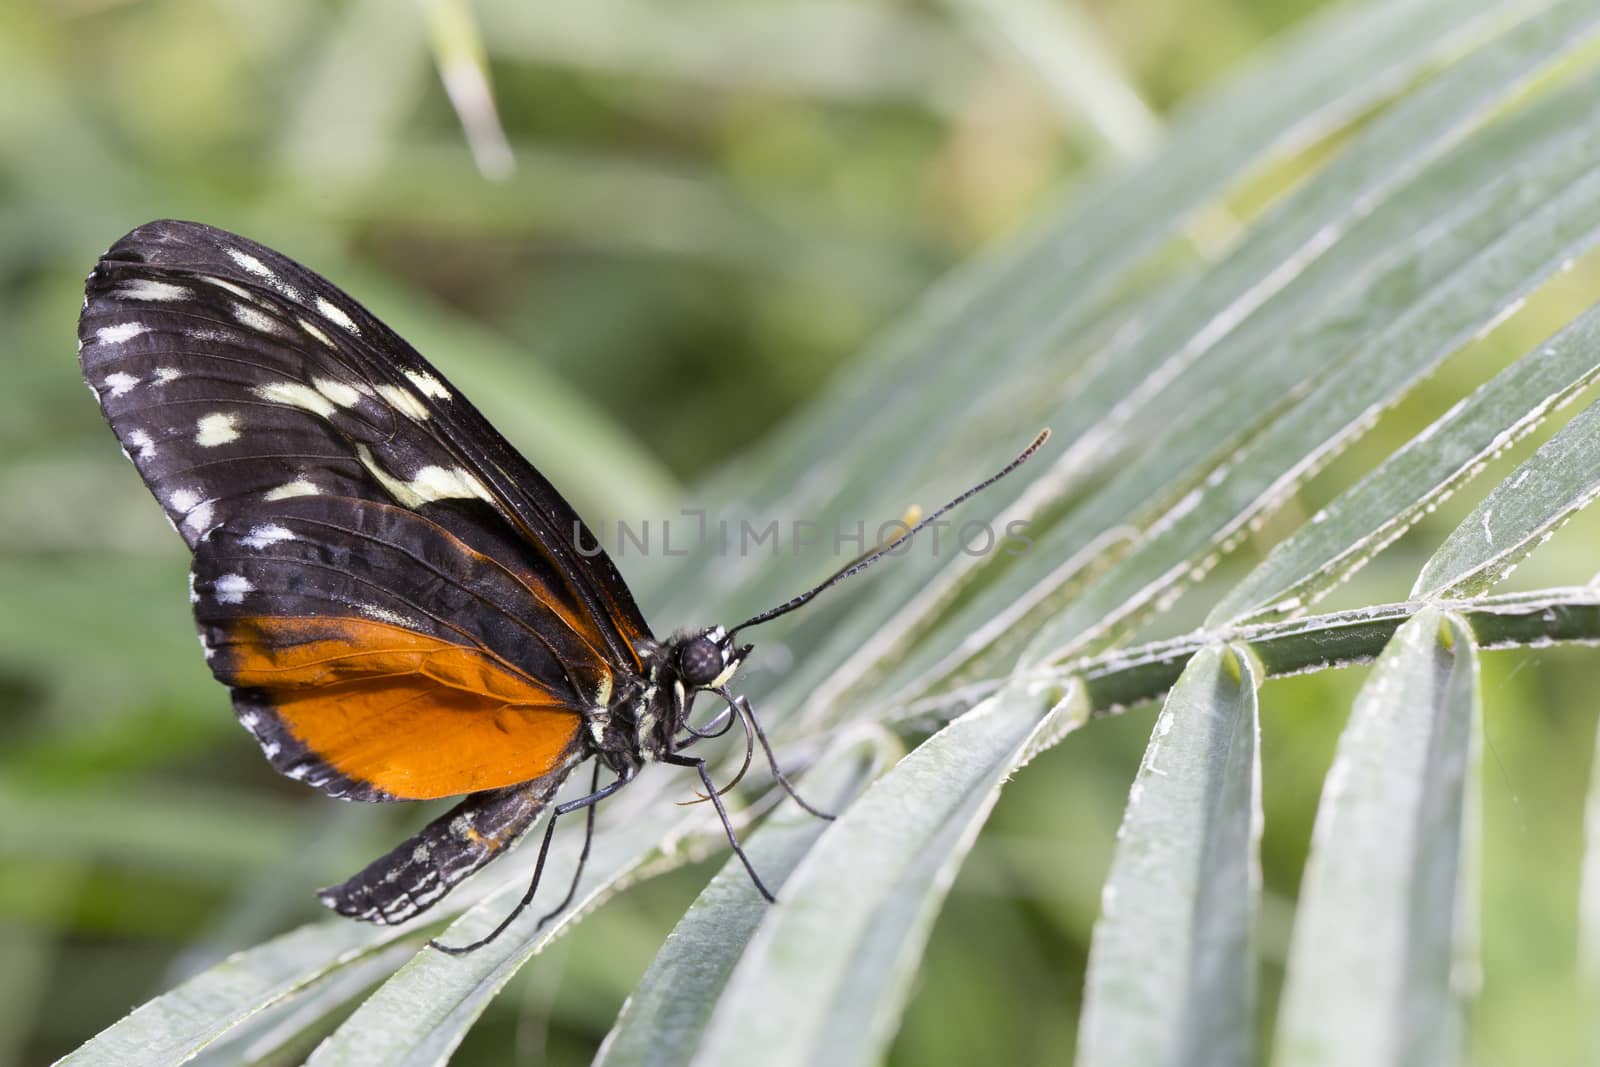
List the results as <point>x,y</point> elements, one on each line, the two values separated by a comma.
<point>393,593</point>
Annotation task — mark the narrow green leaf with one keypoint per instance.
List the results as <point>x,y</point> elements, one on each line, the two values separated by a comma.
<point>1316,284</point>
<point>1339,539</point>
<point>1556,223</point>
<point>839,953</point>
<point>1074,67</point>
<point>464,69</point>
<point>286,1032</point>
<point>422,1013</point>
<point>664,1020</point>
<point>1339,639</point>
<point>175,1026</point>
<point>1520,513</point>
<point>1171,968</point>
<point>1374,974</point>
<point>1125,677</point>
<point>808,48</point>
<point>1029,300</point>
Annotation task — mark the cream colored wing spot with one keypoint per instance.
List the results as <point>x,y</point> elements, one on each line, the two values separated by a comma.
<point>336,315</point>
<point>298,487</point>
<point>215,429</point>
<point>404,401</point>
<point>266,534</point>
<point>254,319</point>
<point>427,485</point>
<point>341,393</point>
<point>231,588</point>
<point>428,385</point>
<point>119,383</point>
<point>149,289</point>
<point>296,395</point>
<point>122,331</point>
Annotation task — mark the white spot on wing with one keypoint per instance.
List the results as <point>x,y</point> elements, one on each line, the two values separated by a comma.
<point>145,448</point>
<point>428,385</point>
<point>183,500</point>
<point>194,598</point>
<point>437,483</point>
<point>250,264</point>
<point>122,331</point>
<point>269,534</point>
<point>339,392</point>
<point>429,483</point>
<point>199,517</point>
<point>337,315</point>
<point>120,383</point>
<point>403,401</point>
<point>254,319</point>
<point>216,429</point>
<point>296,395</point>
<point>167,374</point>
<point>311,328</point>
<point>393,618</point>
<point>150,289</point>
<point>231,588</point>
<point>226,286</point>
<point>298,487</point>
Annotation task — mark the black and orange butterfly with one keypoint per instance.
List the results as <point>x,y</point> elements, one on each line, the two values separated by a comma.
<point>395,597</point>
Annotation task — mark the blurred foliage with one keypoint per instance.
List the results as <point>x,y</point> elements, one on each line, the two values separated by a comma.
<point>712,206</point>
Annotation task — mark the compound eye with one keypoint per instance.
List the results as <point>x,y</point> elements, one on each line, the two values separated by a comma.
<point>700,662</point>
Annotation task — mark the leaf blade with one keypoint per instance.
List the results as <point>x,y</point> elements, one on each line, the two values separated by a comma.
<point>1383,504</point>
<point>841,951</point>
<point>665,1018</point>
<point>1555,483</point>
<point>1171,975</point>
<point>177,1025</point>
<point>1385,893</point>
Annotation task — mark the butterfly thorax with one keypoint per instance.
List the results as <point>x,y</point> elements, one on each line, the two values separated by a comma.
<point>647,717</point>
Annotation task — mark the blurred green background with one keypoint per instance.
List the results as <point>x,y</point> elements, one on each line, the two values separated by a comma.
<point>710,206</point>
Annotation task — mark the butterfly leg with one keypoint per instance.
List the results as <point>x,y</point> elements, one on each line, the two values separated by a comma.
<point>748,714</point>
<point>583,857</point>
<point>749,754</point>
<point>538,868</point>
<point>722,813</point>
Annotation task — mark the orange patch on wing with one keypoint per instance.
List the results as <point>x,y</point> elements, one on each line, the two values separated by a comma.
<point>414,715</point>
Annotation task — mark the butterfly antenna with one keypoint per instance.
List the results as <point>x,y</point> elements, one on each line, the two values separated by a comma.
<point>863,562</point>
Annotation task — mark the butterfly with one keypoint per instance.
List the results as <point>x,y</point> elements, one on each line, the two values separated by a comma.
<point>395,597</point>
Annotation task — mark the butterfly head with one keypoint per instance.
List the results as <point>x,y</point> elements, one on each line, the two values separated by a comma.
<point>708,659</point>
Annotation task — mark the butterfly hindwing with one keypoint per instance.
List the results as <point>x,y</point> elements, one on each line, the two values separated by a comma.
<point>376,656</point>
<point>394,594</point>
